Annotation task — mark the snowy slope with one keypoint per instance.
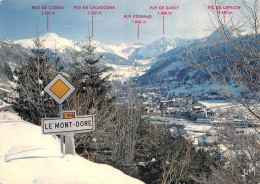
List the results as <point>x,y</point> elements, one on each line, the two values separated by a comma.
<point>54,41</point>
<point>51,41</point>
<point>154,49</point>
<point>123,73</point>
<point>123,49</point>
<point>12,53</point>
<point>173,72</point>
<point>158,47</point>
<point>28,157</point>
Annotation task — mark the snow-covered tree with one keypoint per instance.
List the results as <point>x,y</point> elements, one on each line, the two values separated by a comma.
<point>93,87</point>
<point>32,77</point>
<point>92,96</point>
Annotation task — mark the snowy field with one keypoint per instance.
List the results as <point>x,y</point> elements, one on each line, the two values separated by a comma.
<point>215,103</point>
<point>220,104</point>
<point>29,157</point>
<point>123,73</point>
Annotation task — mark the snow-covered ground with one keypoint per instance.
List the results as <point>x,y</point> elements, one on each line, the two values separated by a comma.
<point>220,104</point>
<point>2,103</point>
<point>29,157</point>
<point>4,106</point>
<point>197,130</point>
<point>193,130</point>
<point>123,73</point>
<point>147,62</point>
<point>215,103</point>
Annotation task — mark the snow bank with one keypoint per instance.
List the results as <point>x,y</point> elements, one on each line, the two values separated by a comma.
<point>28,157</point>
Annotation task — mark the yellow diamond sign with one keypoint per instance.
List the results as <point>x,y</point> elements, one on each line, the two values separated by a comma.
<point>59,88</point>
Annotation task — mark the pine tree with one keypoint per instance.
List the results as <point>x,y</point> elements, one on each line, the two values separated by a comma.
<point>92,96</point>
<point>32,77</point>
<point>92,87</point>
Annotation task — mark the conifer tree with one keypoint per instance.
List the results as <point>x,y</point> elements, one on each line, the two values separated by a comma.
<point>92,86</point>
<point>92,96</point>
<point>32,77</point>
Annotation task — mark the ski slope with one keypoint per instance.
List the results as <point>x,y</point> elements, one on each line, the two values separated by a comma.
<point>29,157</point>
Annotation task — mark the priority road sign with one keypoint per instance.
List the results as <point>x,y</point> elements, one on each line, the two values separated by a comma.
<point>59,88</point>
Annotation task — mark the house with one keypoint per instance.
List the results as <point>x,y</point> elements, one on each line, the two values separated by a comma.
<point>237,123</point>
<point>204,120</point>
<point>3,93</point>
<point>199,114</point>
<point>208,140</point>
<point>8,95</point>
<point>12,96</point>
<point>197,108</point>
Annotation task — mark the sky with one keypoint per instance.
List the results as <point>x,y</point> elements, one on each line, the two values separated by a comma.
<point>18,20</point>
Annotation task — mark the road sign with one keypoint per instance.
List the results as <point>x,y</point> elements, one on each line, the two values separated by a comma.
<point>68,114</point>
<point>60,126</point>
<point>59,88</point>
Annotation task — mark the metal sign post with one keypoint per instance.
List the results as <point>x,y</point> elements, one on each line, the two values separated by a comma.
<point>61,135</point>
<point>67,123</point>
<point>70,144</point>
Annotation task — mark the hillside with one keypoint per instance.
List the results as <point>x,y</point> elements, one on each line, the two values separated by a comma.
<point>11,55</point>
<point>158,47</point>
<point>174,71</point>
<point>29,157</point>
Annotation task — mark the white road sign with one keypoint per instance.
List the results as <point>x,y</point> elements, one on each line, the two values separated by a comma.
<point>59,88</point>
<point>60,126</point>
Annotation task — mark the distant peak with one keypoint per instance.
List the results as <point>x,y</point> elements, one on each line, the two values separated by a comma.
<point>219,33</point>
<point>53,35</point>
<point>163,41</point>
<point>164,38</point>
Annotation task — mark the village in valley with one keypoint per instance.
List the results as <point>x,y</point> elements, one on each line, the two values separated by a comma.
<point>206,119</point>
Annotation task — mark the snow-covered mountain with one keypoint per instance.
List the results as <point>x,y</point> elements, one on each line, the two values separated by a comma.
<point>51,41</point>
<point>172,72</point>
<point>11,52</point>
<point>158,47</point>
<point>114,54</point>
<point>123,50</point>
<point>55,42</point>
<point>124,56</point>
<point>128,51</point>
<point>219,34</point>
